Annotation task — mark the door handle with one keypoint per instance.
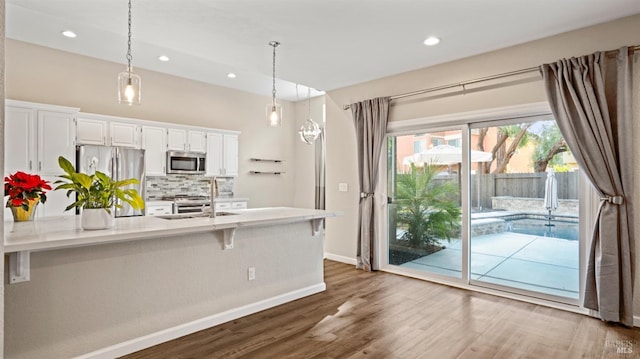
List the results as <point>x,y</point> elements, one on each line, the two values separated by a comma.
<point>30,165</point>
<point>39,165</point>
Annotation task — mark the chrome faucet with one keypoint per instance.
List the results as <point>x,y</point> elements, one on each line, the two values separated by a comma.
<point>213,192</point>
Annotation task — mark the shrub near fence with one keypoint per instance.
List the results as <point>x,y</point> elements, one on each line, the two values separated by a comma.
<point>524,185</point>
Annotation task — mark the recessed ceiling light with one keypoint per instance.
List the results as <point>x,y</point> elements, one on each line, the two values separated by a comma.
<point>163,58</point>
<point>231,75</point>
<point>431,40</point>
<point>69,33</point>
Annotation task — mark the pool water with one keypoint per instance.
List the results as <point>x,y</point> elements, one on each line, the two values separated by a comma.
<point>539,227</point>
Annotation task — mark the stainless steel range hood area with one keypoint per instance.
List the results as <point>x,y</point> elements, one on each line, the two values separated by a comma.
<point>180,162</point>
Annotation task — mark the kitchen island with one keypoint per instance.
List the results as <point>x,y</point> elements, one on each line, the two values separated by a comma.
<point>148,280</point>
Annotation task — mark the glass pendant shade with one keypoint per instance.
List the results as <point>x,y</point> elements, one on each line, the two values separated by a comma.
<point>129,88</point>
<point>274,115</point>
<point>309,131</point>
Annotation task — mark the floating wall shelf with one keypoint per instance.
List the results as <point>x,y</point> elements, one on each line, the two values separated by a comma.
<point>265,173</point>
<point>265,160</point>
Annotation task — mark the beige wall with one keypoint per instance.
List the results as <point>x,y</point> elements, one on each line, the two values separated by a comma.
<point>304,194</point>
<point>341,159</point>
<point>44,75</point>
<point>2,167</point>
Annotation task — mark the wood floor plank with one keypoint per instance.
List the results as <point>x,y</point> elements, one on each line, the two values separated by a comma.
<point>381,315</point>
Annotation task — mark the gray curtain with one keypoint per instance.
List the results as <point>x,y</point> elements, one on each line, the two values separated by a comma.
<point>591,99</point>
<point>370,119</point>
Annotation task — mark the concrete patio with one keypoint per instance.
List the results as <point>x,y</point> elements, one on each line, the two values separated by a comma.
<point>540,264</point>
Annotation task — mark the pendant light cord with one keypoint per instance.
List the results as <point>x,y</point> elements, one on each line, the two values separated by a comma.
<point>129,57</point>
<point>308,102</point>
<point>274,44</point>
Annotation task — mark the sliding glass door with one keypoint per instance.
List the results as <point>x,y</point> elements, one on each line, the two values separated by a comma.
<point>425,202</point>
<point>524,211</point>
<point>492,204</point>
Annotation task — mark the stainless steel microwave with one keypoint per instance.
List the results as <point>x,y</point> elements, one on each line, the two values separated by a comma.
<point>186,162</point>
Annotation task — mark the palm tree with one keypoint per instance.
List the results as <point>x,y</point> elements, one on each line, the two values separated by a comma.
<point>429,210</point>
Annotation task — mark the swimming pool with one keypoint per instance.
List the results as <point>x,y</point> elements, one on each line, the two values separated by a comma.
<point>539,227</point>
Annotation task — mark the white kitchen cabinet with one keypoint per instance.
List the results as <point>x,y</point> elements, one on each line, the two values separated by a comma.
<point>230,155</point>
<point>230,205</point>
<point>214,164</point>
<point>91,131</point>
<point>19,139</point>
<point>223,206</point>
<point>197,141</point>
<point>55,138</point>
<point>176,139</point>
<point>154,142</point>
<point>222,154</point>
<point>124,134</point>
<point>158,208</point>
<point>40,134</point>
<point>186,140</point>
<point>103,131</point>
<point>239,205</point>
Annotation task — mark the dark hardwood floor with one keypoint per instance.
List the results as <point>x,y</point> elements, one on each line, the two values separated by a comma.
<point>381,315</point>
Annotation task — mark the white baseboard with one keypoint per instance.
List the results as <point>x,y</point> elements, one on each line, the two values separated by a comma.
<point>338,258</point>
<point>636,321</point>
<point>162,336</point>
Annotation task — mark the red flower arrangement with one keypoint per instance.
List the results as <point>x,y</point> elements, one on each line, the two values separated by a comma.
<point>22,187</point>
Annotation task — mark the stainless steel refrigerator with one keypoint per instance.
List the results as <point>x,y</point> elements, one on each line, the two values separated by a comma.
<point>118,163</point>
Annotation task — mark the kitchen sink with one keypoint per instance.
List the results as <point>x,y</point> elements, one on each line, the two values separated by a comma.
<point>194,215</point>
<point>226,214</point>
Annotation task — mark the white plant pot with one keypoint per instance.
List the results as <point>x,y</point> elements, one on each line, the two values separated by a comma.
<point>96,218</point>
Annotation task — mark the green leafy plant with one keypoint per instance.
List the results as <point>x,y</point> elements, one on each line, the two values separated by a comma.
<point>97,190</point>
<point>428,209</point>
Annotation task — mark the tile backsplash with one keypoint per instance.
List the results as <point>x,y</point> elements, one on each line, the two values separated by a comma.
<point>192,185</point>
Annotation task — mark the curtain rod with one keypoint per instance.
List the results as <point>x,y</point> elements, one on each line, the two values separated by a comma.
<point>482,79</point>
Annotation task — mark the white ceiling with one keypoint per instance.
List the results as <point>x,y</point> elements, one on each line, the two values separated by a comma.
<point>326,44</point>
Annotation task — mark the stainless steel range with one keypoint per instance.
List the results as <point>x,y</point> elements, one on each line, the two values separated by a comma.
<point>189,204</point>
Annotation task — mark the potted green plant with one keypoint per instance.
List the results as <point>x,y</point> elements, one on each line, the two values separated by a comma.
<point>96,195</point>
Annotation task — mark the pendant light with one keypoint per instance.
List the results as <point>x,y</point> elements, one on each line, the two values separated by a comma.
<point>310,130</point>
<point>274,111</point>
<point>129,84</point>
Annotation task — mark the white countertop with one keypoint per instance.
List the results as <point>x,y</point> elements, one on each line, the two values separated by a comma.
<point>231,199</point>
<point>158,202</point>
<point>65,231</point>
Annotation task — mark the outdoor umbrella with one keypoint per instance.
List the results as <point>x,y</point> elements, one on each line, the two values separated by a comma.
<point>445,155</point>
<point>551,193</point>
